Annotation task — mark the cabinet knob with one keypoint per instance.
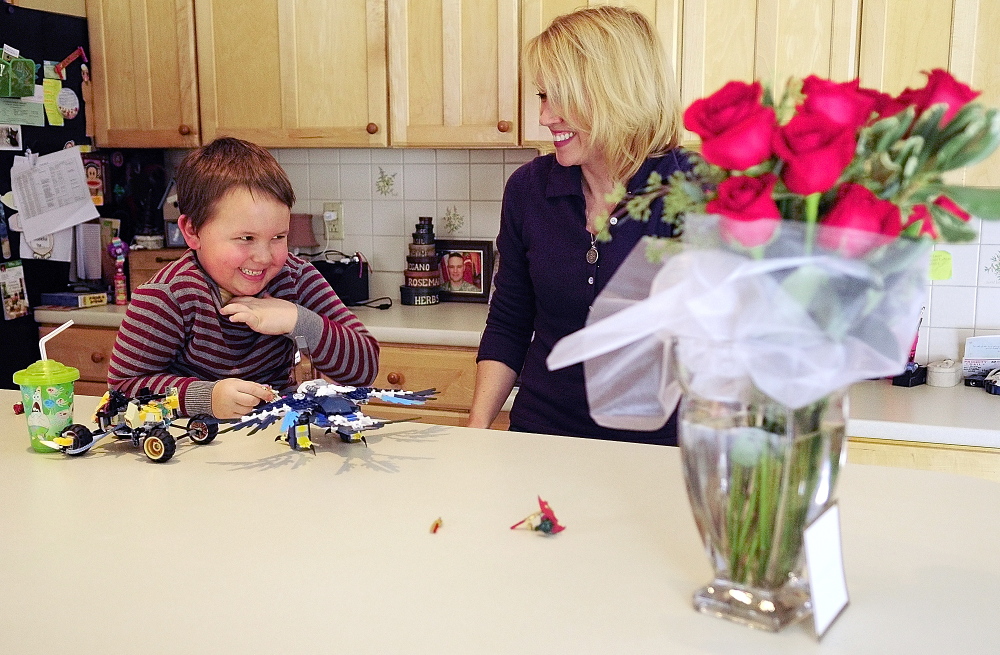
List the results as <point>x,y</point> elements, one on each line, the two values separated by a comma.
<point>394,378</point>
<point>97,358</point>
<point>372,128</point>
<point>504,126</point>
<point>184,129</point>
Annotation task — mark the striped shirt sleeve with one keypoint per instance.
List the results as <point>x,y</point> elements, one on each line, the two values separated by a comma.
<point>340,345</point>
<point>151,334</point>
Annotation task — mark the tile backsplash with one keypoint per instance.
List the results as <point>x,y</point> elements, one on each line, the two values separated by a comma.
<point>385,191</point>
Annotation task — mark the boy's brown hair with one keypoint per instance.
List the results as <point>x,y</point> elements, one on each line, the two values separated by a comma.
<point>207,174</point>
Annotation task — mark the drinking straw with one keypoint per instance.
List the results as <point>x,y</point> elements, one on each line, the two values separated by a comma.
<point>41,342</point>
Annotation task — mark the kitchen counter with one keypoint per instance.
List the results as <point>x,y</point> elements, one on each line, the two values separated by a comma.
<point>445,324</point>
<point>244,546</point>
<point>959,415</point>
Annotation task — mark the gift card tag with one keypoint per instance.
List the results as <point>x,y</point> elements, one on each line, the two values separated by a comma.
<point>825,565</point>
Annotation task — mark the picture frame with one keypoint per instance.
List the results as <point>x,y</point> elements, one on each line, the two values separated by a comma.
<point>470,279</point>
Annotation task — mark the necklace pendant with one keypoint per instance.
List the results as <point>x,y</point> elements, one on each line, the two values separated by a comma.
<point>592,255</point>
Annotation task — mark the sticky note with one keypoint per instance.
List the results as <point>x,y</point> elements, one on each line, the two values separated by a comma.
<point>940,265</point>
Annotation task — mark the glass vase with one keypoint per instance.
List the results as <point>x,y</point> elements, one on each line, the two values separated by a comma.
<point>757,473</point>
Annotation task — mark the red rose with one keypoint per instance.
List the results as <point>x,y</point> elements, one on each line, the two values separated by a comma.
<point>749,214</point>
<point>735,129</point>
<point>842,103</point>
<point>923,216</point>
<point>947,204</point>
<point>816,151</point>
<point>858,222</point>
<point>941,87</point>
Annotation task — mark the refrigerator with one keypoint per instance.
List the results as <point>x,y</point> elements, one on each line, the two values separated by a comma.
<point>134,179</point>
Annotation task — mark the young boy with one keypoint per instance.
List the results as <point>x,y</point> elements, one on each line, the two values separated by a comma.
<point>218,323</point>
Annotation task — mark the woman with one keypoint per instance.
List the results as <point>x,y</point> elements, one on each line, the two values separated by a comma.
<point>607,96</point>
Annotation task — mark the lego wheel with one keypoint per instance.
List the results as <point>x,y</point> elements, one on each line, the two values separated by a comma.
<point>202,428</point>
<point>80,435</point>
<point>159,446</point>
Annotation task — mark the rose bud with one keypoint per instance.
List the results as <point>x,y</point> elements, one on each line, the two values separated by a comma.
<point>923,216</point>
<point>749,213</point>
<point>947,204</point>
<point>941,87</point>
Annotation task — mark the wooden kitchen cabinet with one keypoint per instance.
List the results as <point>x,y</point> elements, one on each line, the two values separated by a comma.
<point>901,38</point>
<point>145,91</point>
<point>87,349</point>
<point>144,264</point>
<point>453,72</point>
<point>451,370</point>
<point>292,74</point>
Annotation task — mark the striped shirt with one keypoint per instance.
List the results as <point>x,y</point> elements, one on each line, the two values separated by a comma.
<point>174,336</point>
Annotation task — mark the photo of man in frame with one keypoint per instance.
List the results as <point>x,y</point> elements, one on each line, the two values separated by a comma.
<point>461,271</point>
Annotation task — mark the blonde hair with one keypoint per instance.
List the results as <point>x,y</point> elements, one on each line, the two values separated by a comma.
<point>604,70</point>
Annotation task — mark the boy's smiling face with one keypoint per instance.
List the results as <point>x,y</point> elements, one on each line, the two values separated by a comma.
<point>243,245</point>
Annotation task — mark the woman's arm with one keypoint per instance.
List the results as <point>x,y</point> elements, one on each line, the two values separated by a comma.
<point>494,382</point>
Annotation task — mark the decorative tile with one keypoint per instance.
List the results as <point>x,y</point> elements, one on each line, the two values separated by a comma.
<point>452,220</point>
<point>989,266</point>
<point>388,182</point>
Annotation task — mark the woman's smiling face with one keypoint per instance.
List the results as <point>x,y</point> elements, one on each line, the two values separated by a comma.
<point>243,245</point>
<point>572,146</point>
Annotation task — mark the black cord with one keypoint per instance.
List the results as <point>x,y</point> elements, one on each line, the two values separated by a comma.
<point>371,303</point>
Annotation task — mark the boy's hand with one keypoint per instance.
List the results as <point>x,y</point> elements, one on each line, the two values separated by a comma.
<point>232,397</point>
<point>265,315</point>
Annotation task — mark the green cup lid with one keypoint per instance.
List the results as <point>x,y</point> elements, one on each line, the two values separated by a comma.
<point>46,371</point>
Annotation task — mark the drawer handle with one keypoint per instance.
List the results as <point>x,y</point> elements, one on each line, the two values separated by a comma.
<point>184,130</point>
<point>164,260</point>
<point>371,128</point>
<point>394,378</point>
<point>97,358</point>
<point>504,126</point>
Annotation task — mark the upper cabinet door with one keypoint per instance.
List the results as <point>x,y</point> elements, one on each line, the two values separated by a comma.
<point>453,71</point>
<point>765,40</point>
<point>145,89</point>
<point>293,73</point>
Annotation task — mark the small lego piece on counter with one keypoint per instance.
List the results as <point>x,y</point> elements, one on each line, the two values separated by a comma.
<point>541,521</point>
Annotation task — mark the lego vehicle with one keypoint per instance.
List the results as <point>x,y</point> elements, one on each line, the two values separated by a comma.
<point>332,407</point>
<point>146,420</point>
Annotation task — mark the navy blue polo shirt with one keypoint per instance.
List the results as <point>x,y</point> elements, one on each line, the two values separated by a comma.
<point>544,288</point>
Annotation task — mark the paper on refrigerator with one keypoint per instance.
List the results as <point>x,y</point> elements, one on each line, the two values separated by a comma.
<point>51,192</point>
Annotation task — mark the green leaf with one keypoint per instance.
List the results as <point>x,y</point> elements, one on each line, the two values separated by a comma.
<point>980,146</point>
<point>983,202</point>
<point>952,228</point>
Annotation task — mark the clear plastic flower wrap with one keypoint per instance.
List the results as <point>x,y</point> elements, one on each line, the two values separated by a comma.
<point>797,319</point>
